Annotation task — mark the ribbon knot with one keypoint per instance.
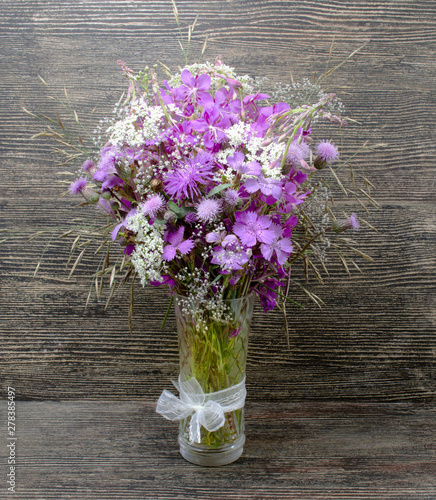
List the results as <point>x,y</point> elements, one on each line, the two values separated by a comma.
<point>205,409</point>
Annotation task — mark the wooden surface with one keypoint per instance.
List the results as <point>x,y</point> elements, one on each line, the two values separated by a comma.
<point>301,451</point>
<point>353,399</point>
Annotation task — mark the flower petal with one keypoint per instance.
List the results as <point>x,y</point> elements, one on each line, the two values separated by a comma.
<point>169,252</point>
<point>186,246</point>
<point>203,82</point>
<point>187,78</point>
<point>265,236</point>
<point>252,185</point>
<point>177,237</point>
<point>247,237</point>
<point>267,251</point>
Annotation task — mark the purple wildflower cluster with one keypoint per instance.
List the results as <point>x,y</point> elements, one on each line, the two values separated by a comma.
<point>204,174</point>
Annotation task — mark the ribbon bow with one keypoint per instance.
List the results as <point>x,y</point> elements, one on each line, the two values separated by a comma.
<point>207,410</point>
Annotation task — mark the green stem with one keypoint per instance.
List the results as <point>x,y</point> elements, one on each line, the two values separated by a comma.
<point>166,314</point>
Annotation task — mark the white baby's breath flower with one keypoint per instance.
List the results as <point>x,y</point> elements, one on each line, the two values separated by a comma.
<point>228,175</point>
<point>268,156</point>
<point>142,123</point>
<point>238,133</point>
<point>147,256</point>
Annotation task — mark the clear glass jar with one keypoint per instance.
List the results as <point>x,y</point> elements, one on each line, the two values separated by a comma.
<point>215,353</point>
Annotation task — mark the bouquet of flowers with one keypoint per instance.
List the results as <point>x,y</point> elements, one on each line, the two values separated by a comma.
<point>204,181</point>
<point>209,187</point>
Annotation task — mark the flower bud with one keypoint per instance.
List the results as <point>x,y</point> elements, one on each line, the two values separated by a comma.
<point>170,216</point>
<point>319,163</point>
<point>156,185</point>
<point>92,197</point>
<point>350,223</point>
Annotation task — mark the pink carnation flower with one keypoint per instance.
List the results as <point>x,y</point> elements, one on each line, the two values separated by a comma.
<point>252,228</point>
<point>282,247</point>
<point>176,244</point>
<point>267,186</point>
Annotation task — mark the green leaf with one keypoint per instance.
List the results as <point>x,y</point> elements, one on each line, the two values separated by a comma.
<point>172,206</point>
<point>159,222</point>
<point>217,189</point>
<point>184,211</point>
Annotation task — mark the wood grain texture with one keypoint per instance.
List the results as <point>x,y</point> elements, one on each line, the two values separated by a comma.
<point>371,349</point>
<point>83,450</point>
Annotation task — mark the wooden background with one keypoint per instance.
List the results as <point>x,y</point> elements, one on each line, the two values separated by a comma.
<point>350,405</point>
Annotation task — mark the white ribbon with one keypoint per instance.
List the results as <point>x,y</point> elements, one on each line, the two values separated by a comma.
<point>206,409</point>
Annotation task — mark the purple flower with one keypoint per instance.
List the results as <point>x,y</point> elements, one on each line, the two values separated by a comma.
<point>293,197</point>
<point>229,107</point>
<point>297,152</point>
<point>78,185</point>
<point>236,161</point>
<point>190,217</point>
<point>184,179</point>
<point>298,177</point>
<point>235,332</point>
<point>166,280</point>
<point>182,132</point>
<point>230,258</point>
<point>117,228</point>
<point>134,153</point>
<point>212,125</point>
<point>229,240</point>
<point>268,186</point>
<point>288,225</point>
<point>252,228</point>
<point>106,165</point>
<point>266,118</point>
<point>168,96</point>
<point>327,151</point>
<point>280,108</point>
<point>88,165</point>
<point>354,223</point>
<point>176,243</point>
<point>262,123</point>
<point>208,209</point>
<point>216,237</point>
<point>250,106</point>
<point>152,206</point>
<point>111,181</point>
<point>195,88</point>
<point>231,197</point>
<point>289,189</point>
<point>129,249</point>
<point>282,247</point>
<point>267,295</point>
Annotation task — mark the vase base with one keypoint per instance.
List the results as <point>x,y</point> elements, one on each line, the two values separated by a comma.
<point>212,458</point>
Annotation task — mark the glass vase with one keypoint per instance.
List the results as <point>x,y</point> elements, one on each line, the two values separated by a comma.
<point>214,351</point>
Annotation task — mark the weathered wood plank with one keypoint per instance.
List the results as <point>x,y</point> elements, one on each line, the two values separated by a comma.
<point>111,450</point>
